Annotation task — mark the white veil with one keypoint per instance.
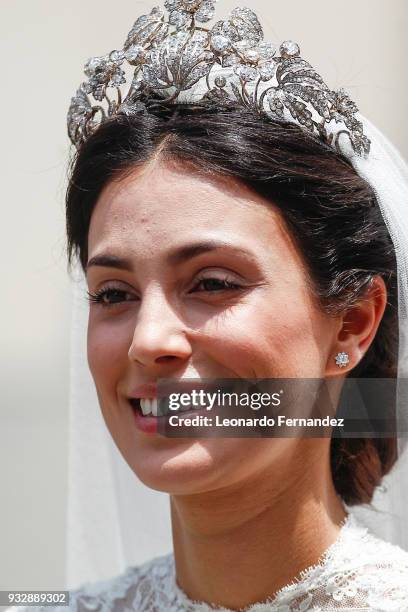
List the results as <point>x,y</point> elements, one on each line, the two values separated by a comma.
<point>113,520</point>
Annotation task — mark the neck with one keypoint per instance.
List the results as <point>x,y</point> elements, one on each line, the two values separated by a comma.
<point>238,545</point>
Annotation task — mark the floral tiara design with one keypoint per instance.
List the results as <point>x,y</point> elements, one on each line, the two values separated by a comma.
<point>230,63</point>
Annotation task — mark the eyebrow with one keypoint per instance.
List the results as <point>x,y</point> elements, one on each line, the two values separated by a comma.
<point>107,260</point>
<point>175,257</point>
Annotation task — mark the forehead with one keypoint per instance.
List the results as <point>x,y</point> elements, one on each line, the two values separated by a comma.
<point>154,207</point>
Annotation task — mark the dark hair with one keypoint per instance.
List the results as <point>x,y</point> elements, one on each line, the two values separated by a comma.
<point>332,213</point>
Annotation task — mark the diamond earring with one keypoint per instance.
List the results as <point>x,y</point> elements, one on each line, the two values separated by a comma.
<point>342,359</point>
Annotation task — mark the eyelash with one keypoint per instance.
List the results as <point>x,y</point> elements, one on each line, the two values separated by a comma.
<point>228,286</point>
<point>98,296</point>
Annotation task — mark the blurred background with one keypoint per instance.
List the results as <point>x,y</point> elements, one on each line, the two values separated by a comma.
<point>361,46</point>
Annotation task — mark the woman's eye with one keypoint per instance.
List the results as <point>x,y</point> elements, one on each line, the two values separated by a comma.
<point>214,284</point>
<point>109,297</point>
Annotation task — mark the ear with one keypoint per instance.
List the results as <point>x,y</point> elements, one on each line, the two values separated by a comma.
<point>358,326</point>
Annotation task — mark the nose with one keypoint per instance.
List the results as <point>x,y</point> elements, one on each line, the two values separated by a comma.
<point>159,335</point>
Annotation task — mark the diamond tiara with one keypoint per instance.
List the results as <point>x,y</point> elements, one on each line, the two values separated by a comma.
<point>229,64</point>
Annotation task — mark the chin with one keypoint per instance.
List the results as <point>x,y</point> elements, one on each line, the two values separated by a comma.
<point>186,467</point>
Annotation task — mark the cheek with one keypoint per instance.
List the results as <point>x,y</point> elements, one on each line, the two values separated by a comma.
<point>294,339</point>
<point>107,347</point>
<point>268,338</point>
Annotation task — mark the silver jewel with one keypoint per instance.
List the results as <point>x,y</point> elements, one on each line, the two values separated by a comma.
<point>117,57</point>
<point>267,70</point>
<point>205,12</point>
<point>220,81</point>
<point>134,53</point>
<point>247,73</point>
<point>179,18</point>
<point>289,49</point>
<point>220,43</point>
<point>266,50</point>
<point>342,359</point>
<point>251,55</point>
<point>170,56</point>
<point>230,60</point>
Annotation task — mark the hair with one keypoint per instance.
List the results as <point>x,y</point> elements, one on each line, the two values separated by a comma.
<point>331,211</point>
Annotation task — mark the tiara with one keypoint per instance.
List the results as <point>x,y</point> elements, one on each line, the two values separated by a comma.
<point>229,64</point>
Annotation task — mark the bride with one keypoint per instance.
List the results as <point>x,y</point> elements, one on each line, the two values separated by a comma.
<point>231,222</point>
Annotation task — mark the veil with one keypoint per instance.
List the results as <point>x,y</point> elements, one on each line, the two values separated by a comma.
<point>114,521</point>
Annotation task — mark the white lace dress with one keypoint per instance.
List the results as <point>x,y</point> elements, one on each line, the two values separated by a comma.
<point>357,572</point>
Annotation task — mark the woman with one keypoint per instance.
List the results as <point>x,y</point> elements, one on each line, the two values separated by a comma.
<point>245,309</point>
<point>219,243</point>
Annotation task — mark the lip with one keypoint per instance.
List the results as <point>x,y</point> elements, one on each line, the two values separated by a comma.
<point>147,424</point>
<point>147,391</point>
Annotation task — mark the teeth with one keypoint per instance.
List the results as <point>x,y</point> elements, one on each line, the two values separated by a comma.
<point>154,406</point>
<point>150,406</point>
<point>146,406</point>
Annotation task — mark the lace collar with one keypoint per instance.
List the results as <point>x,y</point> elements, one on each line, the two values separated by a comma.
<point>358,571</point>
<point>350,528</point>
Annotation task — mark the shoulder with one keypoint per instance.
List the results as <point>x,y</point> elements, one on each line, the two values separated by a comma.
<point>359,571</point>
<point>367,571</point>
<point>381,572</point>
<point>127,587</point>
<point>130,590</point>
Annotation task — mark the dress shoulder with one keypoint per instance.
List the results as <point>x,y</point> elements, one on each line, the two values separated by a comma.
<point>360,571</point>
<point>130,590</point>
<point>134,589</point>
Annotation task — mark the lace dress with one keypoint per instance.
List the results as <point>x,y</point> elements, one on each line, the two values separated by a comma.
<point>357,572</point>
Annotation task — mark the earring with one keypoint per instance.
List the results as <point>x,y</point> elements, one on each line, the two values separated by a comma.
<point>342,359</point>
